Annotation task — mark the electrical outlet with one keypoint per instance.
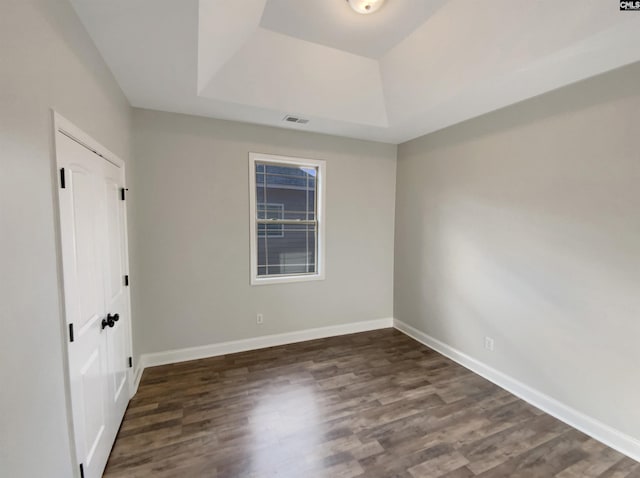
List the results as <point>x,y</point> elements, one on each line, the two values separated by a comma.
<point>488,343</point>
<point>259,319</point>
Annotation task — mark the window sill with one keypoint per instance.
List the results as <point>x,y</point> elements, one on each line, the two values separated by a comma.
<point>286,279</point>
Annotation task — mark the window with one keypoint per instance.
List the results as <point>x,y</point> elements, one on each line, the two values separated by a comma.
<point>287,228</point>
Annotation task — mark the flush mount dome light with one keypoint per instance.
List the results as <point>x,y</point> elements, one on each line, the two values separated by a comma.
<point>365,6</point>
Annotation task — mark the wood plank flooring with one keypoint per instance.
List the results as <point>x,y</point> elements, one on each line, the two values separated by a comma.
<point>375,404</point>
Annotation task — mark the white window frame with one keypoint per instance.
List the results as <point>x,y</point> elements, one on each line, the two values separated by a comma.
<point>320,218</point>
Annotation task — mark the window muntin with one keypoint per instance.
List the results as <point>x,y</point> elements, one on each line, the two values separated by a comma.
<point>286,218</point>
<point>269,210</point>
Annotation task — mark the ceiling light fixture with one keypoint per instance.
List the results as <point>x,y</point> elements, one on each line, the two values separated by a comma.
<point>365,6</point>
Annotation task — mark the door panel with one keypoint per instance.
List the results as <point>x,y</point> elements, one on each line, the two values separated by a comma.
<point>115,291</point>
<point>114,246</point>
<point>84,302</point>
<point>89,282</point>
<point>93,413</point>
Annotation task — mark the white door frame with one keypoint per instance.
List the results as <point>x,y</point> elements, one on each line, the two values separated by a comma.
<point>66,127</point>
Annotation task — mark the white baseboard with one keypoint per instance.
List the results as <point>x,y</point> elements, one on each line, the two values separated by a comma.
<point>604,433</point>
<point>137,375</point>
<point>214,350</point>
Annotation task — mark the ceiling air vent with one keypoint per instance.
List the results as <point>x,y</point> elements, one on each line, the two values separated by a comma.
<point>295,119</point>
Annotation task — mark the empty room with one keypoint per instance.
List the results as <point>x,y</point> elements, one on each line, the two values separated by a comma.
<point>320,238</point>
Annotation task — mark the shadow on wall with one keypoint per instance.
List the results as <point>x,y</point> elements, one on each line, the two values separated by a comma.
<point>585,94</point>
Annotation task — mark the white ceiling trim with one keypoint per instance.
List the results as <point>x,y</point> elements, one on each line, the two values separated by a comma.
<point>282,73</point>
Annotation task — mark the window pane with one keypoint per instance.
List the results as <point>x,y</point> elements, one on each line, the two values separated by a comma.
<point>293,252</point>
<point>311,201</point>
<point>291,186</point>
<point>260,193</point>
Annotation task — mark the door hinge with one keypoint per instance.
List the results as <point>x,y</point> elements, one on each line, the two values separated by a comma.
<point>63,183</point>
<point>130,362</point>
<point>70,332</point>
<point>126,280</point>
<point>123,193</point>
<point>81,470</point>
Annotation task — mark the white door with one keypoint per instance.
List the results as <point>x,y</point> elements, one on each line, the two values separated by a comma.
<point>93,240</point>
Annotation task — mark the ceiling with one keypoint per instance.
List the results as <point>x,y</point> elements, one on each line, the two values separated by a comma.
<point>411,68</point>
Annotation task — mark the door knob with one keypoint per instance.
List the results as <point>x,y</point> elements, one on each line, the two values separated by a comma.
<point>110,321</point>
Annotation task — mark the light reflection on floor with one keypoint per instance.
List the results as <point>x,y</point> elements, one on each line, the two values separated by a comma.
<point>288,419</point>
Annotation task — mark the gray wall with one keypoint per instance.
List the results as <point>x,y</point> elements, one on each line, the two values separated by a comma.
<point>191,280</point>
<point>524,225</point>
<point>47,61</point>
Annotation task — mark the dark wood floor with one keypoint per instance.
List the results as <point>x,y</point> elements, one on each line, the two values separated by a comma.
<point>376,404</point>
